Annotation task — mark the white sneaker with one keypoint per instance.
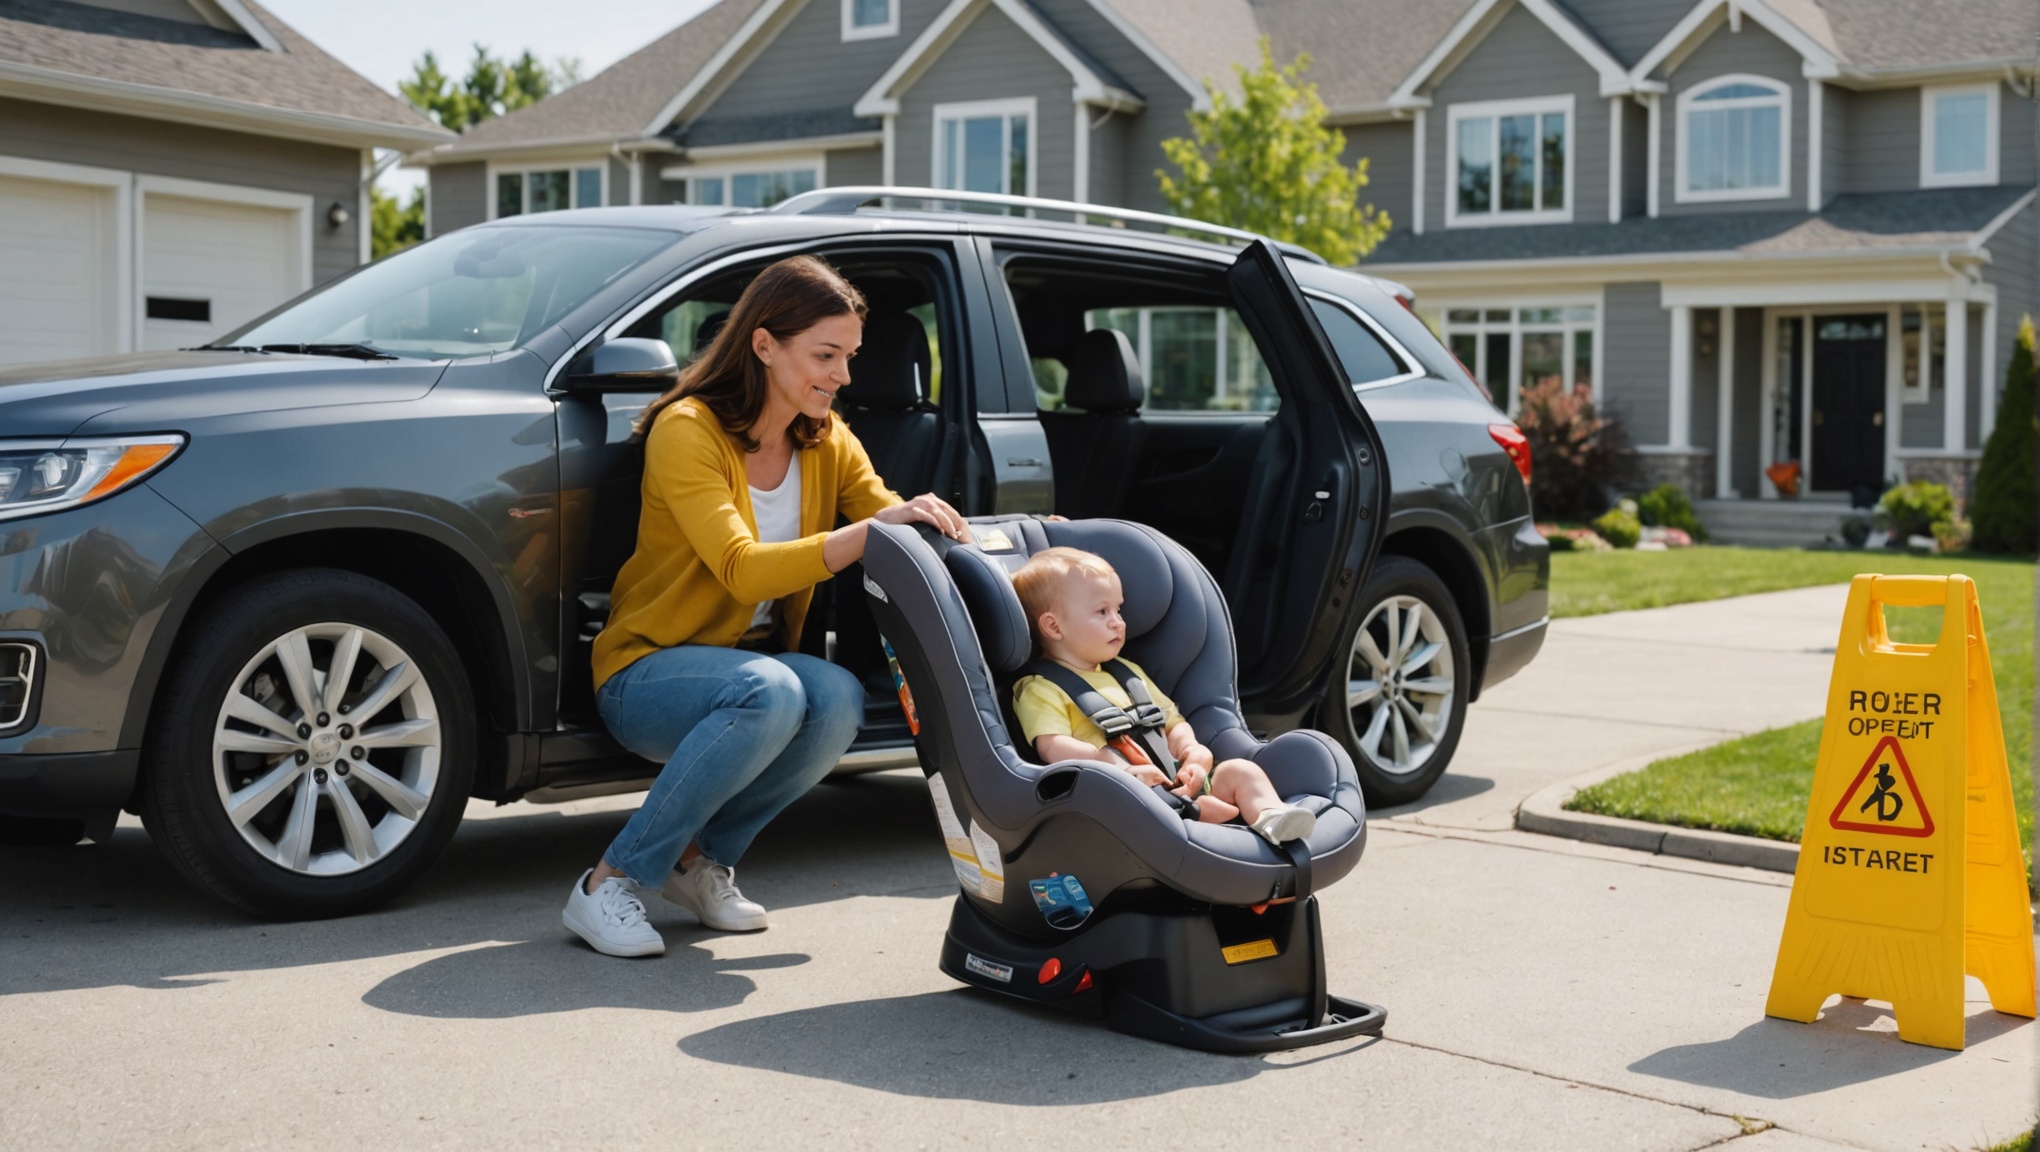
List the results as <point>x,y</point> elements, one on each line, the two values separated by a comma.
<point>611,918</point>
<point>709,890</point>
<point>1285,822</point>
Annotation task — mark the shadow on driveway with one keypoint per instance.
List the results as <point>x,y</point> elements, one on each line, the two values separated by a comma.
<point>540,976</point>
<point>966,1045</point>
<point>1450,787</point>
<point>1781,1060</point>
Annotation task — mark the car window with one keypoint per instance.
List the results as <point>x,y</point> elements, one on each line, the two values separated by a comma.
<point>1193,359</point>
<point>472,293</point>
<point>1361,353</point>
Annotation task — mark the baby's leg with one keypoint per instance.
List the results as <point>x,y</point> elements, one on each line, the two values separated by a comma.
<point>1212,810</point>
<point>1241,784</point>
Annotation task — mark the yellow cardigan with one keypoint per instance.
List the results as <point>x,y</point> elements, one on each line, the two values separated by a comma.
<point>699,572</point>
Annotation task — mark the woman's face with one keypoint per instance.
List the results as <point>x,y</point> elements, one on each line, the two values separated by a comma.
<point>806,371</point>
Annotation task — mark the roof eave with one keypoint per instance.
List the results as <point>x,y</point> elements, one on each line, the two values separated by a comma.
<point>99,94</point>
<point>1960,251</point>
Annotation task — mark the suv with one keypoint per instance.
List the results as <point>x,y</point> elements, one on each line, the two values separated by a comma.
<point>297,595</point>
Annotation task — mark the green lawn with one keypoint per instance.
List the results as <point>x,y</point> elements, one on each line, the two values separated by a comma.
<point>1758,785</point>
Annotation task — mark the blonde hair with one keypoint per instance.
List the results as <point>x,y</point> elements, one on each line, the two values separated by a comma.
<point>1042,577</point>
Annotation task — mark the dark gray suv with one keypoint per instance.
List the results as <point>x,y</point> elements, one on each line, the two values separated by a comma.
<point>296,596</point>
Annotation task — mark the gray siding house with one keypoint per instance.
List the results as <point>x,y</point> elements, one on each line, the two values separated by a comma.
<point>1792,233</point>
<point>172,168</point>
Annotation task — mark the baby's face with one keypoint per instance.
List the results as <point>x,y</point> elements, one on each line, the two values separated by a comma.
<point>1088,612</point>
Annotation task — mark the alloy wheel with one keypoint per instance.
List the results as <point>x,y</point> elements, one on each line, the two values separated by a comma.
<point>327,749</point>
<point>1399,684</point>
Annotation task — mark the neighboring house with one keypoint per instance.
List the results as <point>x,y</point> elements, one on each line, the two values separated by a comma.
<point>172,168</point>
<point>1759,230</point>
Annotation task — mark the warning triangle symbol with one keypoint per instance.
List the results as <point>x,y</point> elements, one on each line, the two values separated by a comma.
<point>1884,798</point>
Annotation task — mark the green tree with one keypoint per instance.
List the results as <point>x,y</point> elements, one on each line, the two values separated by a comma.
<point>491,87</point>
<point>2003,509</point>
<point>395,225</point>
<point>1266,162</point>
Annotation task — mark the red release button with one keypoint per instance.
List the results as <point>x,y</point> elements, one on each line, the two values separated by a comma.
<point>1049,971</point>
<point>1082,984</point>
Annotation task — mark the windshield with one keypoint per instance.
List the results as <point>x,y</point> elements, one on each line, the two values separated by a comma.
<point>472,293</point>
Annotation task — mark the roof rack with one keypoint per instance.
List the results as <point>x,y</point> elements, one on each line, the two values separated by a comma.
<point>842,201</point>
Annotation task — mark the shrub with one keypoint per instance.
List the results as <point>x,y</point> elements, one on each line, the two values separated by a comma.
<point>1915,506</point>
<point>1578,453</point>
<point>1619,527</point>
<point>1952,535</point>
<point>2003,507</point>
<point>1666,506</point>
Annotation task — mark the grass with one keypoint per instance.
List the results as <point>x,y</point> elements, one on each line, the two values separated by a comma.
<point>1759,785</point>
<point>2019,1143</point>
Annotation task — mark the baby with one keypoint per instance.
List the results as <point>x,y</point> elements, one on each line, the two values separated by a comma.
<point>1072,600</point>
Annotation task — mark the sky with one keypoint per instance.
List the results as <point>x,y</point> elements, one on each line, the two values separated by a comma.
<point>382,38</point>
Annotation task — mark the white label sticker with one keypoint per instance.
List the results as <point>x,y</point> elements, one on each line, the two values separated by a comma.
<point>993,540</point>
<point>991,865</point>
<point>872,587</point>
<point>1003,973</point>
<point>962,855</point>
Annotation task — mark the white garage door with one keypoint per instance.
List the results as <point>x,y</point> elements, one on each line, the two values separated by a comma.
<point>208,267</point>
<point>59,271</point>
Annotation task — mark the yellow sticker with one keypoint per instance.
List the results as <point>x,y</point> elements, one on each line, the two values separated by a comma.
<point>1251,950</point>
<point>993,540</point>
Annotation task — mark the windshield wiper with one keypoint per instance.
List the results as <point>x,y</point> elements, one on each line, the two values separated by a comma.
<point>355,351</point>
<point>225,348</point>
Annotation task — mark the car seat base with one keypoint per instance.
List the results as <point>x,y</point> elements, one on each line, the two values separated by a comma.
<point>1213,978</point>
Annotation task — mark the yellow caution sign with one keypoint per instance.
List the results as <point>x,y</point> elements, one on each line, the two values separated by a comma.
<point>1909,866</point>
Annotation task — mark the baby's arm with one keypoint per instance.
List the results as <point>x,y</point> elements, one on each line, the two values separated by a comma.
<point>1055,746</point>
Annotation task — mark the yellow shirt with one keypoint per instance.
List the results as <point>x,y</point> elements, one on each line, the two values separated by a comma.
<point>699,572</point>
<point>1046,710</point>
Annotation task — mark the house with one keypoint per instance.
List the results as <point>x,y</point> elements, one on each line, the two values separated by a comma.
<point>1760,231</point>
<point>170,169</point>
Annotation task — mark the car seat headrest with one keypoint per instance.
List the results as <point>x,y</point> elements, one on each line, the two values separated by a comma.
<point>706,334</point>
<point>890,371</point>
<point>1104,374</point>
<point>995,611</point>
<point>1143,567</point>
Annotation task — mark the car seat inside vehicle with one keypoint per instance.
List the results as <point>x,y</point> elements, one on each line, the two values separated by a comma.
<point>1081,888</point>
<point>1094,439</point>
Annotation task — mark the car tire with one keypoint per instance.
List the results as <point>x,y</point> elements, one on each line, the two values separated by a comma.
<point>290,797</point>
<point>1401,704</point>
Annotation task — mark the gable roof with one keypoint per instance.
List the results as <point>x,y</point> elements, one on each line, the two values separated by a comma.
<point>1094,83</point>
<point>620,101</point>
<point>1482,19</point>
<point>1868,40</point>
<point>85,56</point>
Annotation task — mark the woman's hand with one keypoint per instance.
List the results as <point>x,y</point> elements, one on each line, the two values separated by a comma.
<point>928,508</point>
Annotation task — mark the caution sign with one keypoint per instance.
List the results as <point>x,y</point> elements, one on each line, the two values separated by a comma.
<point>1909,867</point>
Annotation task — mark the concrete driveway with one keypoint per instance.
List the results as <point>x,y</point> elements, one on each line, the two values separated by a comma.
<point>1542,993</point>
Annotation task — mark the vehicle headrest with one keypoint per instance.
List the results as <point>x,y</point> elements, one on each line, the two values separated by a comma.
<point>1104,374</point>
<point>891,370</point>
<point>705,335</point>
<point>986,583</point>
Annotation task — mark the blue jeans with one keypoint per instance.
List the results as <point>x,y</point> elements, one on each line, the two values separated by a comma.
<point>742,736</point>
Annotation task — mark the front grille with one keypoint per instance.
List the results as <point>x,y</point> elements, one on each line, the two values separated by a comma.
<point>17,683</point>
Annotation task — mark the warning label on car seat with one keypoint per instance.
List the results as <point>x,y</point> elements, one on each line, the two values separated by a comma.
<point>980,869</point>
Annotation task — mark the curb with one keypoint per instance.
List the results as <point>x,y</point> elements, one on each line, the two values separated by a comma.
<point>1544,813</point>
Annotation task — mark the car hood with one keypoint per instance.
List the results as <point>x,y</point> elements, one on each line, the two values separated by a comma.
<point>158,390</point>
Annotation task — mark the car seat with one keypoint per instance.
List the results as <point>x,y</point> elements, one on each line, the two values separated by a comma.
<point>1081,888</point>
<point>1096,449</point>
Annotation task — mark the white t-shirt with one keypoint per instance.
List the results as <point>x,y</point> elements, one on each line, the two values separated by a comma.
<point>778,515</point>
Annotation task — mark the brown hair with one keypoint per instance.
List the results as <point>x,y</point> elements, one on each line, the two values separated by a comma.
<point>1038,580</point>
<point>786,299</point>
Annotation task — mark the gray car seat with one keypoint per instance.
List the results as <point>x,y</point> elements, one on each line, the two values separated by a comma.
<point>1096,448</point>
<point>1081,888</point>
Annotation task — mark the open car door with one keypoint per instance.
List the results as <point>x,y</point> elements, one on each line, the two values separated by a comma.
<point>1316,502</point>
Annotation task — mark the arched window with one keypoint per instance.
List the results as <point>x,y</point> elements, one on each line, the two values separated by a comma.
<point>1735,140</point>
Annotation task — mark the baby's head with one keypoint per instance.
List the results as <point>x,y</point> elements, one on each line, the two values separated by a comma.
<point>1072,600</point>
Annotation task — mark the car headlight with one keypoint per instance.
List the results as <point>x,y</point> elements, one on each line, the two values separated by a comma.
<point>54,475</point>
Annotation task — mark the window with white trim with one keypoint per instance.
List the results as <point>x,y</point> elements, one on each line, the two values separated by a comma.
<point>870,19</point>
<point>750,187</point>
<point>1735,140</point>
<point>547,190</point>
<point>1510,349</point>
<point>1923,351</point>
<point>1510,161</point>
<point>985,146</point>
<point>1958,136</point>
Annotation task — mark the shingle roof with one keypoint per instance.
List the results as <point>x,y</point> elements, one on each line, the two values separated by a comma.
<point>46,41</point>
<point>1892,34</point>
<point>621,100</point>
<point>1942,217</point>
<point>1360,49</point>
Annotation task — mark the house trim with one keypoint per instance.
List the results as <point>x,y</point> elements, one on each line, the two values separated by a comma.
<point>1495,110</point>
<point>801,146</point>
<point>1682,149</point>
<point>1481,19</point>
<point>1707,16</point>
<point>518,168</point>
<point>125,293</point>
<point>1003,107</point>
<point>249,23</point>
<point>750,38</point>
<point>781,161</point>
<point>851,31</point>
<point>1200,100</point>
<point>883,97</point>
<point>1991,127</point>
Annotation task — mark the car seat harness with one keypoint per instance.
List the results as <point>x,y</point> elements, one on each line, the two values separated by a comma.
<point>1139,736</point>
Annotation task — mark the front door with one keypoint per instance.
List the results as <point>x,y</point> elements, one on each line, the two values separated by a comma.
<point>1848,402</point>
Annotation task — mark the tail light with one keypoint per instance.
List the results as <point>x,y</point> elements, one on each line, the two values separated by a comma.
<point>1514,443</point>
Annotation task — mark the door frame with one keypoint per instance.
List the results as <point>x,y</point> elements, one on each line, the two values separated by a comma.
<point>1767,447</point>
<point>298,204</point>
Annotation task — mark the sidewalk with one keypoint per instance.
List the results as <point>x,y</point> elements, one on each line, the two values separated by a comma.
<point>1542,993</point>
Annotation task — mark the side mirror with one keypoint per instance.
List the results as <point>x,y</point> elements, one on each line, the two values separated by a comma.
<point>626,364</point>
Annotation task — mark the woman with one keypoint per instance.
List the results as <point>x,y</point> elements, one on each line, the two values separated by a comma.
<point>745,471</point>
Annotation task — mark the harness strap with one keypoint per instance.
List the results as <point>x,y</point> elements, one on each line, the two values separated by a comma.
<point>1142,730</point>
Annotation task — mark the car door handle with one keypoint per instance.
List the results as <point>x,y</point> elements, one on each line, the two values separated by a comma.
<point>1024,462</point>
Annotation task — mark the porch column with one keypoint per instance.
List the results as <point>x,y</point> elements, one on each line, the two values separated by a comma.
<point>1724,408</point>
<point>1987,376</point>
<point>1679,417</point>
<point>1954,418</point>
